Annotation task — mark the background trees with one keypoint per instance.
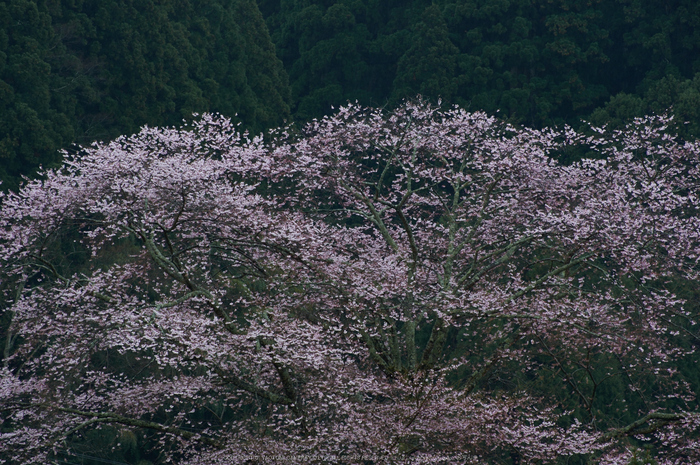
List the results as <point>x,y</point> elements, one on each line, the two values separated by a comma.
<point>538,63</point>
<point>76,72</point>
<point>415,284</point>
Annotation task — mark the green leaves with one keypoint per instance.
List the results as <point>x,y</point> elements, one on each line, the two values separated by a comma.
<point>78,72</point>
<point>429,66</point>
<point>537,63</point>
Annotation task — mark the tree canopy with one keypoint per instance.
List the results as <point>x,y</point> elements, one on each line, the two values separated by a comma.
<point>538,63</point>
<point>420,284</point>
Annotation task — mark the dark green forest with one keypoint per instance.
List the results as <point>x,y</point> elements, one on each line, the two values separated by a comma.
<point>77,71</point>
<point>536,62</point>
<point>72,71</point>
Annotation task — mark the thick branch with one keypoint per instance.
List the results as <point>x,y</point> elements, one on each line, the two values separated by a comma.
<point>376,217</point>
<point>393,339</point>
<point>480,217</point>
<point>655,420</point>
<point>411,238</point>
<point>373,353</point>
<point>552,273</point>
<point>380,182</point>
<point>170,268</point>
<point>410,332</point>
<point>438,335</point>
<point>508,250</point>
<point>288,387</point>
<point>108,417</point>
<point>251,388</point>
<point>10,338</point>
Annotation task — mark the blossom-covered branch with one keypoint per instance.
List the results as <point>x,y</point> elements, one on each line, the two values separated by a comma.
<point>422,284</point>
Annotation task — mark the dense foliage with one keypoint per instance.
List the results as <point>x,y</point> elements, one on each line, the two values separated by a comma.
<point>538,62</point>
<point>76,72</point>
<point>415,285</point>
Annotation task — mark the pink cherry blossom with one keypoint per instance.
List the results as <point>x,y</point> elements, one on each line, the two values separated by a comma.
<point>376,286</point>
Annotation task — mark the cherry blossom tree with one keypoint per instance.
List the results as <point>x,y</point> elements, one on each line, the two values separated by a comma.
<point>386,287</point>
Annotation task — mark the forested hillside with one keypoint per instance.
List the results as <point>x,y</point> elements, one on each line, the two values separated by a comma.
<point>75,72</point>
<point>538,63</point>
